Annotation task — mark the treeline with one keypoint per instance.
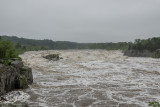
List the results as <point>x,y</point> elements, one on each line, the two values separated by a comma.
<point>144,48</point>
<point>151,44</point>
<point>31,44</point>
<point>110,46</point>
<point>23,44</point>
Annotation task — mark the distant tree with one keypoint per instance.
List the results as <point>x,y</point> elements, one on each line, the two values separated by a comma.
<point>24,48</point>
<point>18,45</point>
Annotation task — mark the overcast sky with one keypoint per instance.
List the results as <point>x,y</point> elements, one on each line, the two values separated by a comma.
<point>81,20</point>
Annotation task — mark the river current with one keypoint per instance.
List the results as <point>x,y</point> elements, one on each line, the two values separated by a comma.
<point>92,78</point>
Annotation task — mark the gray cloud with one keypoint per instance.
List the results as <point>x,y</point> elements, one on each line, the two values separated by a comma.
<point>81,20</point>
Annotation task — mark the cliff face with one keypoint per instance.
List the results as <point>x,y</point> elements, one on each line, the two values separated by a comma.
<point>135,53</point>
<point>14,76</point>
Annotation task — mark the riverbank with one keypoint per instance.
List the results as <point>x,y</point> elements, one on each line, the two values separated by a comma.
<point>14,76</point>
<point>142,53</point>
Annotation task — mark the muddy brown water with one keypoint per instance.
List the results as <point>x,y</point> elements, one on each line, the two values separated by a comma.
<point>92,78</point>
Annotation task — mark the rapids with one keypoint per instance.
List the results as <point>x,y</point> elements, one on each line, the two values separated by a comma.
<point>92,78</point>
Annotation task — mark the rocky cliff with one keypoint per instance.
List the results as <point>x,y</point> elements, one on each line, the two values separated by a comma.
<point>14,76</point>
<point>135,53</point>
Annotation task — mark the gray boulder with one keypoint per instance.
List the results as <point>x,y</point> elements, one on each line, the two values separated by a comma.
<point>17,63</point>
<point>53,57</point>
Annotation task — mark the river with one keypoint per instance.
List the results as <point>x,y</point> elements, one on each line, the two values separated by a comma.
<point>92,78</point>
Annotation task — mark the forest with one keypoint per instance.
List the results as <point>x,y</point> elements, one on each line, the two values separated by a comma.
<point>22,45</point>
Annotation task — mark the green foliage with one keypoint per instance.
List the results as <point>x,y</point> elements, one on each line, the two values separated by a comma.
<point>22,45</point>
<point>22,70</point>
<point>7,50</point>
<point>23,82</point>
<point>19,58</point>
<point>18,45</point>
<point>156,55</point>
<point>151,44</point>
<point>154,104</point>
<point>7,62</point>
<point>110,46</point>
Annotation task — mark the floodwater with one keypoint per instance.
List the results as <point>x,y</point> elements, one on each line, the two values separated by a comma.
<point>92,78</point>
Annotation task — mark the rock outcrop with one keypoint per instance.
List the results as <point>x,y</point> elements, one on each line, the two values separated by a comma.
<point>14,76</point>
<point>135,53</point>
<point>53,57</point>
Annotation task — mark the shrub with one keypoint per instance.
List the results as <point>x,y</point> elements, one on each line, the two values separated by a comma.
<point>7,51</point>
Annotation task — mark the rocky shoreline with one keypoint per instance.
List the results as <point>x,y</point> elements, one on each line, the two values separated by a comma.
<point>142,53</point>
<point>135,53</point>
<point>14,76</point>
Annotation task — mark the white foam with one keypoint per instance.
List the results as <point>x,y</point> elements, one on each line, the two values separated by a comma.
<point>89,67</point>
<point>15,96</point>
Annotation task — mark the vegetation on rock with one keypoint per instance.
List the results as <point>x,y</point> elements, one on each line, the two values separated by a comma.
<point>157,54</point>
<point>23,82</point>
<point>13,74</point>
<point>144,48</point>
<point>151,44</point>
<point>7,51</point>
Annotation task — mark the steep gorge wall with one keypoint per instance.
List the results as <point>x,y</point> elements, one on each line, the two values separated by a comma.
<point>14,76</point>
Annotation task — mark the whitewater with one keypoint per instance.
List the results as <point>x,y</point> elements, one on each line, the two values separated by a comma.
<point>91,78</point>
